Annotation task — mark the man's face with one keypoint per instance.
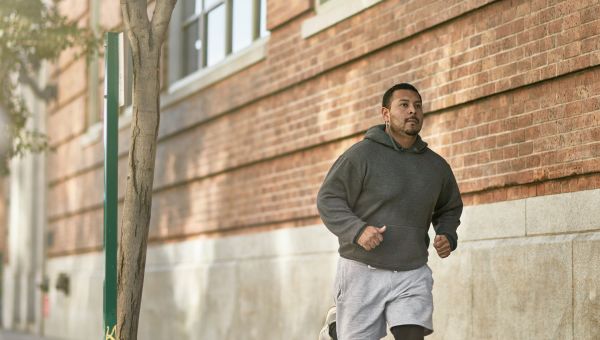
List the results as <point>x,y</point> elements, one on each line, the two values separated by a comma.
<point>405,113</point>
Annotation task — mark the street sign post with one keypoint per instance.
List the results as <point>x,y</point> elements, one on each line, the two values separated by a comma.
<point>111,146</point>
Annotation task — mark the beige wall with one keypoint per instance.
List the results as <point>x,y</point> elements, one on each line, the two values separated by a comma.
<point>526,269</point>
<point>277,284</point>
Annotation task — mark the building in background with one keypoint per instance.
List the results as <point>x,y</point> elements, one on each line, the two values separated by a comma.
<point>22,227</point>
<point>259,99</point>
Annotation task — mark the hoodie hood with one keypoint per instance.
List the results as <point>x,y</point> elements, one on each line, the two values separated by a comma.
<point>378,135</point>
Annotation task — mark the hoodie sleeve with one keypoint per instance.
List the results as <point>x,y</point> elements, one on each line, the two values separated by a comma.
<point>337,196</point>
<point>446,215</point>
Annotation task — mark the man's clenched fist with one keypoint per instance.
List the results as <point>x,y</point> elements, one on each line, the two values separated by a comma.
<point>371,237</point>
<point>442,245</point>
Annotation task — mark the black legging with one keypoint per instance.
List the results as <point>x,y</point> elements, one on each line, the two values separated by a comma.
<point>405,332</point>
<point>408,332</point>
<point>333,331</point>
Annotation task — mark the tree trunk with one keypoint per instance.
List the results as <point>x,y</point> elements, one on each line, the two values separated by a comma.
<point>146,40</point>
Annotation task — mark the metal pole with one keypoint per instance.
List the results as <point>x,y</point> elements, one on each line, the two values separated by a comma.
<point>111,146</point>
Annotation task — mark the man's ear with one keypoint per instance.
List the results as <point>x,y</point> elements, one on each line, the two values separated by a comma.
<point>385,114</point>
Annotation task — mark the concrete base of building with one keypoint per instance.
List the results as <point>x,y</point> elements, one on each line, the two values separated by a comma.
<point>525,282</point>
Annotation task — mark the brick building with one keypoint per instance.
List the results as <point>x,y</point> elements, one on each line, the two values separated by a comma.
<point>259,101</point>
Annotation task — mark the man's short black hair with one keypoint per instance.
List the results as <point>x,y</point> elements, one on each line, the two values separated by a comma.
<point>387,96</point>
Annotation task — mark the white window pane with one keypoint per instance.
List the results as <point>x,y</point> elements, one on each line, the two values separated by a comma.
<point>192,46</point>
<point>215,35</point>
<point>263,18</point>
<point>242,24</point>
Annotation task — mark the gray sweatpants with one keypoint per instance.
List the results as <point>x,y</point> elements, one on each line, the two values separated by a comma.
<point>367,298</point>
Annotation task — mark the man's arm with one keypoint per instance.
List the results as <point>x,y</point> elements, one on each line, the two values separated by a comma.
<point>339,192</point>
<point>446,216</point>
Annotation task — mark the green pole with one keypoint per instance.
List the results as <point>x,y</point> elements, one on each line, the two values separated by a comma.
<point>111,146</point>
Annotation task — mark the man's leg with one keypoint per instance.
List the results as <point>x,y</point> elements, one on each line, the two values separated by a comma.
<point>408,332</point>
<point>360,301</point>
<point>409,314</point>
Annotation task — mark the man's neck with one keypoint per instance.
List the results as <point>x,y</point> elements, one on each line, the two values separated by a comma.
<point>404,140</point>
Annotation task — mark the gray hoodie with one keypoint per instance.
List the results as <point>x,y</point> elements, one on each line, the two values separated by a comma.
<point>376,182</point>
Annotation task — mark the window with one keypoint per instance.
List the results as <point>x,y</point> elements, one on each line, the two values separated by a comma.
<point>208,31</point>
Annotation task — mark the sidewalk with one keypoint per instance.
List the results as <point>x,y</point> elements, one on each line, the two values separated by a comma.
<point>10,335</point>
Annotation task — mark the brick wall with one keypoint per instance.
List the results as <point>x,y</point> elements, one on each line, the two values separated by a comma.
<point>512,91</point>
<point>280,12</point>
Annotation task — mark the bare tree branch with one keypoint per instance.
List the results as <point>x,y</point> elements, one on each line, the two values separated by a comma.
<point>135,16</point>
<point>161,17</point>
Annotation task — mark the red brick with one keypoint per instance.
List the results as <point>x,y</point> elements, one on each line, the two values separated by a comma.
<point>279,12</point>
<point>525,148</point>
<point>590,14</point>
<point>573,49</point>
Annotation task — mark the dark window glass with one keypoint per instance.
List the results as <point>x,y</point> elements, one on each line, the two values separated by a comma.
<point>192,47</point>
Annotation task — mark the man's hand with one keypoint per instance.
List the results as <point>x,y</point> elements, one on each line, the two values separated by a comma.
<point>442,245</point>
<point>371,237</point>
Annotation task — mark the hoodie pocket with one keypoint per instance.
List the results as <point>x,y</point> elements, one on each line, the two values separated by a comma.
<point>407,244</point>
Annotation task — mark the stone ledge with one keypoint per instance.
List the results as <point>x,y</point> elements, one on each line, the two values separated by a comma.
<point>541,215</point>
<point>569,212</point>
<point>333,12</point>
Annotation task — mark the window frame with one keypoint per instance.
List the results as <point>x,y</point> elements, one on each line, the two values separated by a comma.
<point>178,68</point>
<point>180,85</point>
